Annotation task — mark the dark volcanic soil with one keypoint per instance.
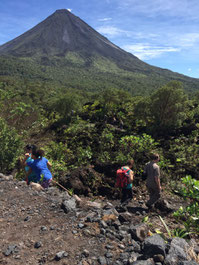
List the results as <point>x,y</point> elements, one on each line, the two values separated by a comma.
<point>28,216</point>
<point>34,228</point>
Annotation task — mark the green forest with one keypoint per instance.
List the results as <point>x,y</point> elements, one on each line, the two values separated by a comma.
<point>79,128</point>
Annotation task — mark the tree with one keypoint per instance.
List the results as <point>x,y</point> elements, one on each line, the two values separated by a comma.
<point>112,98</point>
<point>66,104</point>
<point>168,107</point>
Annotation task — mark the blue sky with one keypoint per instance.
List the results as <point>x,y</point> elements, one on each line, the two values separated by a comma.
<point>161,33</point>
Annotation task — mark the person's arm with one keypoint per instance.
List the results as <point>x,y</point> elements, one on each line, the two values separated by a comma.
<point>49,165</point>
<point>131,176</point>
<point>25,158</point>
<point>28,173</point>
<point>157,178</point>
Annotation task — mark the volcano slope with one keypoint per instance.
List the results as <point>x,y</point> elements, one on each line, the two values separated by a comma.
<point>63,50</point>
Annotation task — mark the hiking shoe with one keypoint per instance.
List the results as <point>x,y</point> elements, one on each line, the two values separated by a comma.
<point>148,206</point>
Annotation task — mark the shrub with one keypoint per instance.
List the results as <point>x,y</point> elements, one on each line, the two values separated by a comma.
<point>10,147</point>
<point>138,148</point>
<point>189,214</point>
<point>59,154</point>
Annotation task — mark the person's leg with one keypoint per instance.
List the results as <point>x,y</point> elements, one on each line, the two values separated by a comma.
<point>45,184</point>
<point>124,195</point>
<point>154,195</point>
<point>32,178</point>
<point>129,194</point>
<point>27,181</point>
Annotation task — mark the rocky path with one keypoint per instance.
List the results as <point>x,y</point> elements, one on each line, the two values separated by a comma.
<point>51,227</point>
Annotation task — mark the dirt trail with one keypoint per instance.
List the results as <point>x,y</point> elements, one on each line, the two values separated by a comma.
<point>35,230</point>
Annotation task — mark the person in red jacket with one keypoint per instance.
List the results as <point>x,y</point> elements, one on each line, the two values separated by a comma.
<point>127,192</point>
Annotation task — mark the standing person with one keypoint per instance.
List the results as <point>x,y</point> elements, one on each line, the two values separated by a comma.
<point>41,166</point>
<point>152,171</point>
<point>32,177</point>
<point>127,192</point>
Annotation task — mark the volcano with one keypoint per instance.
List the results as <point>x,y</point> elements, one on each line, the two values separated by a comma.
<point>63,33</point>
<point>60,33</point>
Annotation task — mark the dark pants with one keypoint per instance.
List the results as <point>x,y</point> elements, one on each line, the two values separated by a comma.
<point>154,195</point>
<point>127,195</point>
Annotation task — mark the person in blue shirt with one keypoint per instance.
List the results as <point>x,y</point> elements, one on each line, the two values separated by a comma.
<point>32,177</point>
<point>41,166</point>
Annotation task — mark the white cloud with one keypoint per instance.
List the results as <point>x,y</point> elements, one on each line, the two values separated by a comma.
<point>69,9</point>
<point>188,39</point>
<point>145,51</point>
<point>111,31</point>
<point>148,44</point>
<point>144,35</point>
<point>177,8</point>
<point>104,19</point>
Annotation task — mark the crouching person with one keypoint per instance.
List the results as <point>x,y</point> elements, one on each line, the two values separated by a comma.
<point>31,177</point>
<point>41,166</point>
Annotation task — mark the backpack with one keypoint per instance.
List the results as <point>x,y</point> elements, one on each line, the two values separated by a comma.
<point>122,178</point>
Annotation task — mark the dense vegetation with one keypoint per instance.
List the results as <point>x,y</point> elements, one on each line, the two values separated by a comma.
<point>106,126</point>
<point>78,129</point>
<point>95,73</point>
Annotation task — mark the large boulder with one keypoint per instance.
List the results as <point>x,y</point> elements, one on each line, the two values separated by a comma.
<point>69,205</point>
<point>139,232</point>
<point>82,181</point>
<point>154,245</point>
<point>91,180</point>
<point>164,206</point>
<point>178,252</point>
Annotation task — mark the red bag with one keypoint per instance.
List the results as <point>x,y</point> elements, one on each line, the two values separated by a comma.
<point>122,178</point>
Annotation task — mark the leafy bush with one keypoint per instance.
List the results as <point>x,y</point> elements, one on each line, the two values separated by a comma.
<point>84,155</point>
<point>107,143</point>
<point>138,148</point>
<point>60,155</point>
<point>189,214</point>
<point>10,147</point>
<point>184,152</point>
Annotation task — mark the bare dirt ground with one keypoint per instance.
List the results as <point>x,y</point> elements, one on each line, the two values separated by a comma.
<point>27,217</point>
<point>35,230</point>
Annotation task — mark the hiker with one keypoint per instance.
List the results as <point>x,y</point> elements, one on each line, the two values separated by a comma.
<point>32,177</point>
<point>152,171</point>
<point>127,191</point>
<point>41,166</point>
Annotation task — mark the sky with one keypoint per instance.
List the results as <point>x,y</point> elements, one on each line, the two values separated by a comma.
<point>159,32</point>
